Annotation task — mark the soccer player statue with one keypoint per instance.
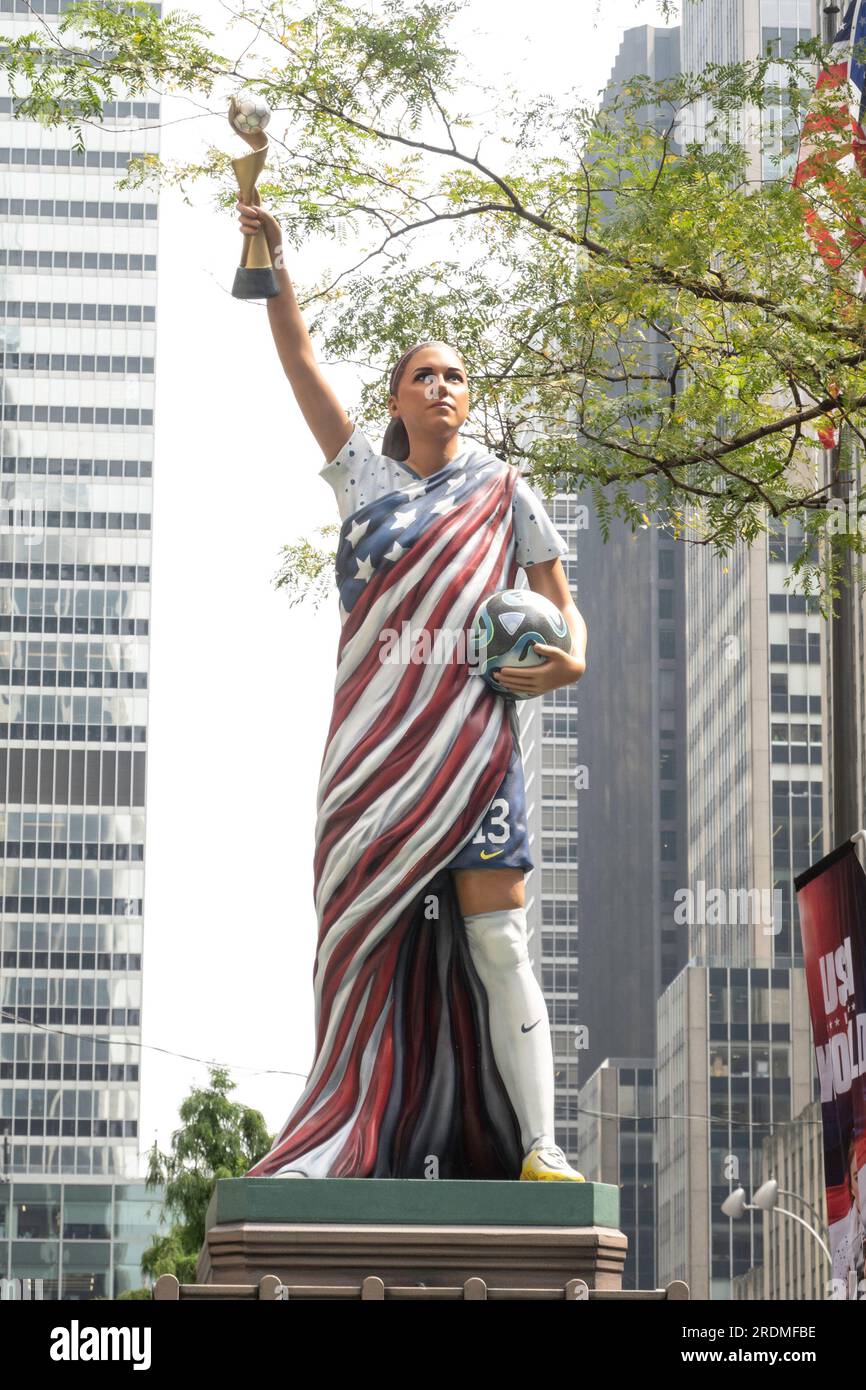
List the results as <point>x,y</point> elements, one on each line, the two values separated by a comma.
<point>433,1053</point>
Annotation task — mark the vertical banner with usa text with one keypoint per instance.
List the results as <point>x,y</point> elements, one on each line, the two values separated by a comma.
<point>831,897</point>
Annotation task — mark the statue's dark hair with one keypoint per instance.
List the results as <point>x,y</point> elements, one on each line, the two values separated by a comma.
<point>395,444</point>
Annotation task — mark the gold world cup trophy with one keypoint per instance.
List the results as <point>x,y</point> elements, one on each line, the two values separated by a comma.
<point>248,116</point>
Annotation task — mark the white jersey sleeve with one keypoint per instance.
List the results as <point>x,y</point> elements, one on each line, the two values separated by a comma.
<point>353,473</point>
<point>535,536</point>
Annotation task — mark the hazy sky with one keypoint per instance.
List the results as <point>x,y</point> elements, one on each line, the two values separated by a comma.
<point>242,683</point>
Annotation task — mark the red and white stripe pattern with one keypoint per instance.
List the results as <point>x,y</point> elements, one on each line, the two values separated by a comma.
<point>403,1074</point>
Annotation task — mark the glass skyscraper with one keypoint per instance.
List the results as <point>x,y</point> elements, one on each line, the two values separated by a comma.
<point>77,334</point>
<point>735,1061</point>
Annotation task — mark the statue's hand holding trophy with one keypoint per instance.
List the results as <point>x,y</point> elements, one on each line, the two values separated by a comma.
<point>248,116</point>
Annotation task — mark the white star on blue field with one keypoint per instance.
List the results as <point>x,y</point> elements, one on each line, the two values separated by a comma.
<point>378,532</point>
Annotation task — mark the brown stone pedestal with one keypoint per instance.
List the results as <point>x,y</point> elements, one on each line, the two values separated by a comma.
<point>333,1233</point>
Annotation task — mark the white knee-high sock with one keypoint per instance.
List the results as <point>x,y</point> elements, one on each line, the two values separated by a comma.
<point>519,1023</point>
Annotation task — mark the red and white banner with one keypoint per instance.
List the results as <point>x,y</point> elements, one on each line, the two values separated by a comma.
<point>831,896</point>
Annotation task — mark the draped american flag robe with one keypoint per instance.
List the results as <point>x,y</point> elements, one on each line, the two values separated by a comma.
<point>403,1076</point>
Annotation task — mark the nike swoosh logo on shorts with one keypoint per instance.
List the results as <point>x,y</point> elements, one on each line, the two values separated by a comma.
<point>492,854</point>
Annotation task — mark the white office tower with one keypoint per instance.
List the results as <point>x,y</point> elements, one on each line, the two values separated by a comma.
<point>77,330</point>
<point>548,728</point>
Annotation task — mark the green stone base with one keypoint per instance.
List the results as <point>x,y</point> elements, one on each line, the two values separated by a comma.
<point>414,1201</point>
<point>411,1231</point>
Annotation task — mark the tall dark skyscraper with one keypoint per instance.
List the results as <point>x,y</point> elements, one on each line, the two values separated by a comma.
<point>633,814</point>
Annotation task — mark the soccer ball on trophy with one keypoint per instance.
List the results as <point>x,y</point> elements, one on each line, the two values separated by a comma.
<point>504,628</point>
<point>248,113</point>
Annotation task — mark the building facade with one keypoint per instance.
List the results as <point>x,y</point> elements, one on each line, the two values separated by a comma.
<point>735,1061</point>
<point>78,263</point>
<point>618,1145</point>
<point>549,741</point>
<point>75,1238</point>
<point>732,31</point>
<point>795,1266</point>
<point>633,739</point>
<point>735,1058</point>
<point>609,759</point>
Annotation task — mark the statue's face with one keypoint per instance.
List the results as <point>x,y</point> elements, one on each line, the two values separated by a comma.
<point>433,394</point>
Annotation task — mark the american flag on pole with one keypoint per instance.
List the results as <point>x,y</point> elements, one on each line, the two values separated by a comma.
<point>403,1071</point>
<point>832,146</point>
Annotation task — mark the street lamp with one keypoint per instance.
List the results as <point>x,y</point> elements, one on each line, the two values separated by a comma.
<point>768,1192</point>
<point>735,1206</point>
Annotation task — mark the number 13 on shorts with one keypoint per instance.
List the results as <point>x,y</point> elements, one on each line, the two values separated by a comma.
<point>495,830</point>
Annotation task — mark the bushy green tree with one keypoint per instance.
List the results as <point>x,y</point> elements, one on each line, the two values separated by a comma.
<point>217,1138</point>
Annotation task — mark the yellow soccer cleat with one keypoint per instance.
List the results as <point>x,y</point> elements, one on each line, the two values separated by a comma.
<point>549,1165</point>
